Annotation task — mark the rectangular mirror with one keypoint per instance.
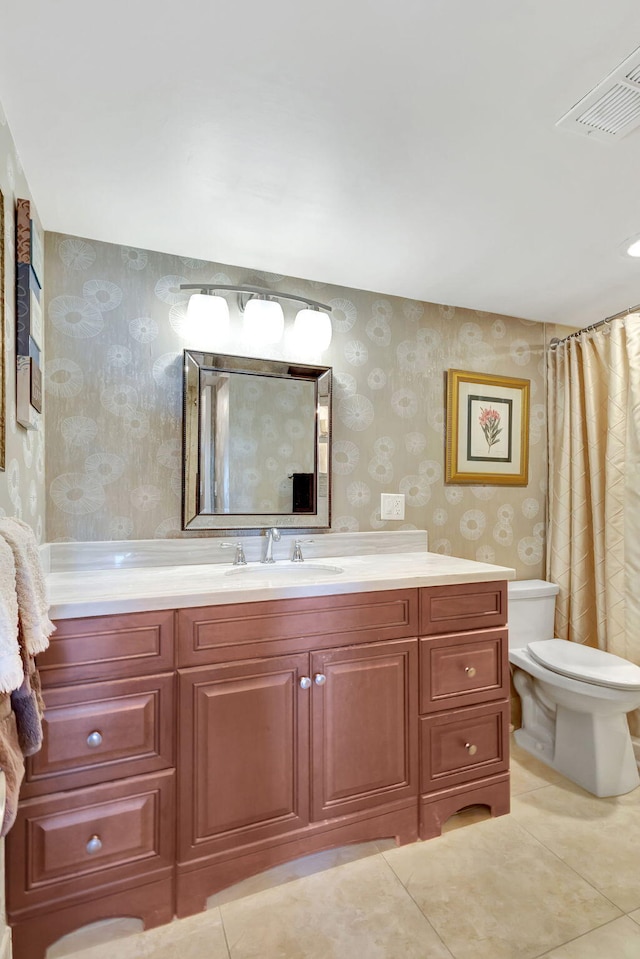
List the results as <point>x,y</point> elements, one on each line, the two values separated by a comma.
<point>257,443</point>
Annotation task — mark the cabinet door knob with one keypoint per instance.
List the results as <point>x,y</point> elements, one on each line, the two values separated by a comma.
<point>94,739</point>
<point>305,682</point>
<point>319,679</point>
<point>472,749</point>
<point>470,671</point>
<point>94,844</point>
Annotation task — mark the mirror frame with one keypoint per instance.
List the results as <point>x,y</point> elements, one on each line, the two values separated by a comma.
<point>195,364</point>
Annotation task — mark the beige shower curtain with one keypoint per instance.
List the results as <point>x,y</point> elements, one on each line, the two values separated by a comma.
<point>593,545</point>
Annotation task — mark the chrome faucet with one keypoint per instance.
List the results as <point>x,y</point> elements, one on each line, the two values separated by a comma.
<point>239,557</point>
<point>272,535</point>
<point>297,550</point>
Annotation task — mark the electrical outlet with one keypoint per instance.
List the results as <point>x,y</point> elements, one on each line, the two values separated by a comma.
<point>391,505</point>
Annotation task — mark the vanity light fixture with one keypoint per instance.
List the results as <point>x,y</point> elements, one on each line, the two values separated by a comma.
<point>630,247</point>
<point>263,316</point>
<point>206,309</point>
<point>313,328</point>
<point>263,320</point>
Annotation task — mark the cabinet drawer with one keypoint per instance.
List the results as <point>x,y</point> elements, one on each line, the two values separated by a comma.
<point>103,731</point>
<point>108,647</point>
<point>463,669</point>
<point>74,843</point>
<point>226,633</point>
<point>453,609</point>
<point>463,745</point>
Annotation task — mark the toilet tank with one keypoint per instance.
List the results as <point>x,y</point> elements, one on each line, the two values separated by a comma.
<point>532,605</point>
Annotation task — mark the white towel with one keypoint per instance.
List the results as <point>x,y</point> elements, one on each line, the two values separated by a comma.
<point>33,606</point>
<point>11,672</point>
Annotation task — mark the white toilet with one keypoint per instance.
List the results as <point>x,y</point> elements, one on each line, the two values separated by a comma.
<point>574,698</point>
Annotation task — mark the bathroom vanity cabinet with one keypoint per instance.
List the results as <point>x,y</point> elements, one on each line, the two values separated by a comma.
<point>464,702</point>
<point>95,832</point>
<point>274,728</point>
<point>308,741</point>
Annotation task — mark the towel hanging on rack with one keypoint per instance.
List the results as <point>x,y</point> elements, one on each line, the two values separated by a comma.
<point>11,672</point>
<point>33,607</point>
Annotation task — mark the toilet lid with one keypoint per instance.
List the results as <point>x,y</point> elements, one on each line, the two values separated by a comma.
<point>586,664</point>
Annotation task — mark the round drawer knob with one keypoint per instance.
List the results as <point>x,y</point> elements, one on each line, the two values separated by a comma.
<point>319,679</point>
<point>94,844</point>
<point>94,739</point>
<point>470,671</point>
<point>471,748</point>
<point>305,682</point>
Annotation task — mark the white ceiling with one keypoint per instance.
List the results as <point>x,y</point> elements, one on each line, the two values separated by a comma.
<point>406,148</point>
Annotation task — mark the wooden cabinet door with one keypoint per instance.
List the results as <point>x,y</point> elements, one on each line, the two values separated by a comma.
<point>243,753</point>
<point>364,725</point>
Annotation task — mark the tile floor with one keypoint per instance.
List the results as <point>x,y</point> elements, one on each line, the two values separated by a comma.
<point>558,878</point>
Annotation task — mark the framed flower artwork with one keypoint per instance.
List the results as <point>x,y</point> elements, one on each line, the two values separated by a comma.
<point>2,341</point>
<point>487,429</point>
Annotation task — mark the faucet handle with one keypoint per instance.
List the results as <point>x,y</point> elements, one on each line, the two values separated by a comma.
<point>240,559</point>
<point>297,556</point>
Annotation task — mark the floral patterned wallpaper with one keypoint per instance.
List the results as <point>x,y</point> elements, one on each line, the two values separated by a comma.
<point>116,329</point>
<point>22,490</point>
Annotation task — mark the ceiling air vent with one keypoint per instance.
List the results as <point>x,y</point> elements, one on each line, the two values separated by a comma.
<point>612,109</point>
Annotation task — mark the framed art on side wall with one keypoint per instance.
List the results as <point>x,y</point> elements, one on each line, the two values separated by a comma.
<point>29,329</point>
<point>487,429</point>
<point>3,377</point>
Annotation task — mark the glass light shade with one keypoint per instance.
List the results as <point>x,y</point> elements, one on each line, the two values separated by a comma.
<point>312,329</point>
<point>263,321</point>
<point>634,249</point>
<point>208,314</point>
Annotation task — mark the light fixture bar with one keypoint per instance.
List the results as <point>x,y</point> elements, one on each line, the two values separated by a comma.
<point>256,291</point>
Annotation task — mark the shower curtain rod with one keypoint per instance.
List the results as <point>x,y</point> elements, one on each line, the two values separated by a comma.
<point>594,326</point>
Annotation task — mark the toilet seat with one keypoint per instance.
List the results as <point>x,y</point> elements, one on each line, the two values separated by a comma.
<point>586,664</point>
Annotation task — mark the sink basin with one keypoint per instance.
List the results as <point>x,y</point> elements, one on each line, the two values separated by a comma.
<point>268,570</point>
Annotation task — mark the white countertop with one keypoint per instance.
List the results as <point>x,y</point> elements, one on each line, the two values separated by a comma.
<point>91,592</point>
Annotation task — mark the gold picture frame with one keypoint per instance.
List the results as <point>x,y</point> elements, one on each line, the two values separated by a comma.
<point>3,345</point>
<point>487,429</point>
